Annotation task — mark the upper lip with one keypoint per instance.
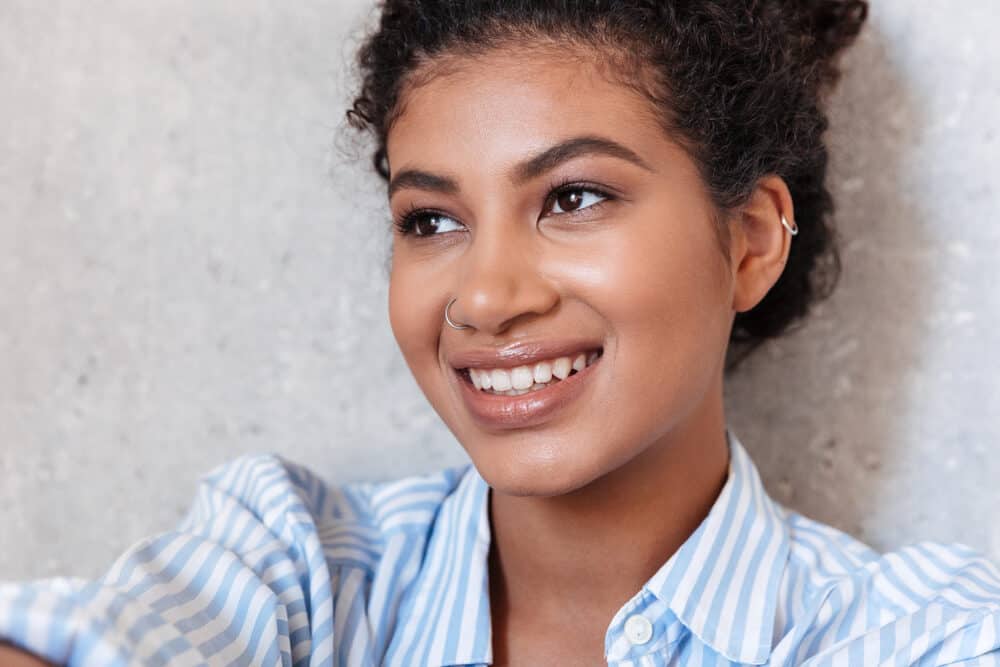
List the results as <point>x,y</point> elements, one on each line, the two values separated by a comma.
<point>521,353</point>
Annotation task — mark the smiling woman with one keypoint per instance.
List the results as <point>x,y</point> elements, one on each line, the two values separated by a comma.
<point>598,207</point>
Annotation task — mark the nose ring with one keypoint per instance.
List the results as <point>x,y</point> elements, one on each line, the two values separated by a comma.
<point>448,319</point>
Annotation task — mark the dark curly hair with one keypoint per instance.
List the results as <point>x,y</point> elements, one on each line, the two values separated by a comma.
<point>739,83</point>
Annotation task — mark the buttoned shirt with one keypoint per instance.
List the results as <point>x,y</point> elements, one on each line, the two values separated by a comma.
<point>273,566</point>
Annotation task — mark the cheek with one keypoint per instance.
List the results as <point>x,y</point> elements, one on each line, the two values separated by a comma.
<point>674,291</point>
<point>414,314</point>
<point>663,291</point>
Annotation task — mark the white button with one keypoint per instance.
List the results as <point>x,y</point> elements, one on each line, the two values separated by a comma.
<point>638,629</point>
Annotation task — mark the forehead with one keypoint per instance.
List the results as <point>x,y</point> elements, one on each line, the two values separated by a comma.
<point>494,108</point>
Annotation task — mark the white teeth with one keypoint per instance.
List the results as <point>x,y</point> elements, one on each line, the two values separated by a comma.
<point>522,378</point>
<point>561,367</point>
<point>501,379</point>
<point>542,372</point>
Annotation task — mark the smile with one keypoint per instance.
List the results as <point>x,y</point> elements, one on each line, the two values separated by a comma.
<point>528,394</point>
<point>524,379</point>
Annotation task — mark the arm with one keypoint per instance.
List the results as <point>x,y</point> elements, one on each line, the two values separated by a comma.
<point>240,580</point>
<point>11,656</point>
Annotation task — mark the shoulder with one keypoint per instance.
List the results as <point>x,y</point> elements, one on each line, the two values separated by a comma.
<point>265,481</point>
<point>270,563</point>
<point>926,602</point>
<point>904,579</point>
<point>290,501</point>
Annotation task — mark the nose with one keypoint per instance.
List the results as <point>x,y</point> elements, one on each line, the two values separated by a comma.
<point>501,282</point>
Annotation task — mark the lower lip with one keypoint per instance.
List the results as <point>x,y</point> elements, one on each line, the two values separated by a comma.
<point>536,407</point>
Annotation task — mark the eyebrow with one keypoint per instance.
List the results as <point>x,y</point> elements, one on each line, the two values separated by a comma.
<point>524,171</point>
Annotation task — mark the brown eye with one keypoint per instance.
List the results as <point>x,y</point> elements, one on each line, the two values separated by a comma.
<point>570,200</point>
<point>427,223</point>
<point>577,198</point>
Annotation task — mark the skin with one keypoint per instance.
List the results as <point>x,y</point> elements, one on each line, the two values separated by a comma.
<point>15,657</point>
<point>609,487</point>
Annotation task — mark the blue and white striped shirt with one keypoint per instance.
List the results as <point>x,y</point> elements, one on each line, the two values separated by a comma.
<point>273,567</point>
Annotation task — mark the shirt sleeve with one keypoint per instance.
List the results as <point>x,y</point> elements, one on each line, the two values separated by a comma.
<point>976,645</point>
<point>991,659</point>
<point>242,580</point>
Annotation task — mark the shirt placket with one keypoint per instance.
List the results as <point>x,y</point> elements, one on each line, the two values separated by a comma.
<point>643,632</point>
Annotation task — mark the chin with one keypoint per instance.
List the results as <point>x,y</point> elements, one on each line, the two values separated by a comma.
<point>541,476</point>
<point>530,488</point>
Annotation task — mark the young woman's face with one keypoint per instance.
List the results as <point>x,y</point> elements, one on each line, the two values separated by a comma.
<point>549,203</point>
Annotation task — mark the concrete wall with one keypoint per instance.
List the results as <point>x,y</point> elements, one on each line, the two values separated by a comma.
<point>190,270</point>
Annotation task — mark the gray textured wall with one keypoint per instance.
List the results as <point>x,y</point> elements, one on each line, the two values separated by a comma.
<point>190,271</point>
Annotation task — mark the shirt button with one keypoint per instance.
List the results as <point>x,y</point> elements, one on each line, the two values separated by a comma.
<point>638,629</point>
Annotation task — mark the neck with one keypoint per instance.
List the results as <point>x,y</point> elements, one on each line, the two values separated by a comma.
<point>612,534</point>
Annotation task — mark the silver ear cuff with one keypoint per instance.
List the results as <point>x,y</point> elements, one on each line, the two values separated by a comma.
<point>792,228</point>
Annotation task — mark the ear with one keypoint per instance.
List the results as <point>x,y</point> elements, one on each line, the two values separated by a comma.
<point>759,242</point>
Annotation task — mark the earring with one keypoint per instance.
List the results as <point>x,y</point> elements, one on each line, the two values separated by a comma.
<point>792,228</point>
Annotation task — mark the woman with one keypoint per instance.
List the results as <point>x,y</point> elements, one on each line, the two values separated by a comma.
<point>596,204</point>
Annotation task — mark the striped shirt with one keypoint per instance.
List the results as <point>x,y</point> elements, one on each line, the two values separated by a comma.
<point>274,567</point>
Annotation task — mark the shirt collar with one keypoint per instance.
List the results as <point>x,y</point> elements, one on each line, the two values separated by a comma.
<point>742,516</point>
<point>737,555</point>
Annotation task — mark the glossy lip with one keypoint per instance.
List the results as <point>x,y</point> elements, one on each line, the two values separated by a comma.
<point>500,412</point>
<point>522,353</point>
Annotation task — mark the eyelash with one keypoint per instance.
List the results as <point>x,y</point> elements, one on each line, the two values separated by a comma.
<point>407,221</point>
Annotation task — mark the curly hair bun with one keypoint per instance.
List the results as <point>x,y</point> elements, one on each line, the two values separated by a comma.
<point>825,28</point>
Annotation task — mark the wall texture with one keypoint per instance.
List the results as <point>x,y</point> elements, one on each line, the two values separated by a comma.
<point>192,269</point>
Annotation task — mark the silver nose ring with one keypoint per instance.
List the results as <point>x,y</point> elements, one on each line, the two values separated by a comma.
<point>448,319</point>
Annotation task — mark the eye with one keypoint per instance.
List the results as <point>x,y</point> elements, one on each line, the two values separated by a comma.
<point>427,223</point>
<point>576,198</point>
